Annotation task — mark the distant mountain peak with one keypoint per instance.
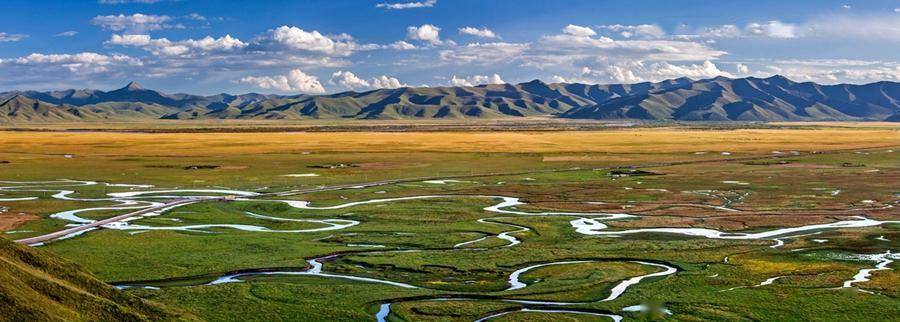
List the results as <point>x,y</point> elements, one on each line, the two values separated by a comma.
<point>133,86</point>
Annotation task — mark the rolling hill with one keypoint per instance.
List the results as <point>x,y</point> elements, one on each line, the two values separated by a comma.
<point>718,99</point>
<point>39,286</point>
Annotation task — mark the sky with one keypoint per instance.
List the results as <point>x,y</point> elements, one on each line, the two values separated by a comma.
<point>315,47</point>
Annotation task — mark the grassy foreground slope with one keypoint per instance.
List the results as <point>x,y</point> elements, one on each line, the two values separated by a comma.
<point>39,286</point>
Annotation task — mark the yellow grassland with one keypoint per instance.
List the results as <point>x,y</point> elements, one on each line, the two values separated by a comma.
<point>643,140</point>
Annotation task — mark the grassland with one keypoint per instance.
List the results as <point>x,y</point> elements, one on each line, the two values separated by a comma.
<point>819,174</point>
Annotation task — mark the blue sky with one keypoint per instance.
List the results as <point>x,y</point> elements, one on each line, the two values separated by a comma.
<point>212,46</point>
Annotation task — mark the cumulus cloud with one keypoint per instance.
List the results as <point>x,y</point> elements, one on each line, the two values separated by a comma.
<point>569,48</point>
<point>483,32</point>
<point>350,81</point>
<point>5,37</point>
<point>407,5</point>
<point>81,63</point>
<point>426,33</point>
<point>70,33</point>
<point>294,38</point>
<point>741,68</point>
<point>636,31</point>
<point>594,58</point>
<point>165,47</point>
<point>665,70</point>
<point>136,23</point>
<point>628,72</point>
<point>285,47</point>
<point>579,31</point>
<point>294,81</point>
<point>385,81</point>
<point>476,80</point>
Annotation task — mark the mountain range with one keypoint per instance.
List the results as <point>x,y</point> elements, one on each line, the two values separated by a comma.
<point>769,99</point>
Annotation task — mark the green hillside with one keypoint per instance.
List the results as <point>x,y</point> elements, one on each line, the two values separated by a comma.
<point>38,286</point>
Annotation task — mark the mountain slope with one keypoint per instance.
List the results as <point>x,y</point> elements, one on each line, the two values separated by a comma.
<point>21,108</point>
<point>718,99</point>
<point>752,99</point>
<point>38,286</point>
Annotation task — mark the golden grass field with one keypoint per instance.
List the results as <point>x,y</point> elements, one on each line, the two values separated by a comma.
<point>639,140</point>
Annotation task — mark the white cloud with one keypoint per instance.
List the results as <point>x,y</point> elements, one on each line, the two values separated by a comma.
<point>82,63</point>
<point>723,31</point>
<point>165,47</point>
<point>606,59</point>
<point>628,72</point>
<point>554,50</point>
<point>136,23</point>
<point>70,33</point>
<point>559,79</point>
<point>129,40</point>
<point>385,81</point>
<point>5,37</point>
<point>196,16</point>
<point>407,5</point>
<point>770,29</point>
<point>773,29</point>
<point>295,81</point>
<point>846,6</point>
<point>476,80</point>
<point>426,33</point>
<point>637,31</point>
<point>877,27</point>
<point>665,70</point>
<point>401,45</point>
<point>741,68</point>
<point>579,31</point>
<point>832,71</point>
<point>487,53</point>
<point>295,38</point>
<point>483,32</point>
<point>350,81</point>
<point>284,48</point>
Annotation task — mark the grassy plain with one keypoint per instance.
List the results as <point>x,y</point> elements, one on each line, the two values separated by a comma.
<point>548,170</point>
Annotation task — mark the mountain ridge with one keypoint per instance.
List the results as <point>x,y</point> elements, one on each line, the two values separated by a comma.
<point>775,98</point>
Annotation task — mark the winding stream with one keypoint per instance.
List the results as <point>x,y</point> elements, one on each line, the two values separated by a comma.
<point>589,226</point>
<point>586,224</point>
<point>883,260</point>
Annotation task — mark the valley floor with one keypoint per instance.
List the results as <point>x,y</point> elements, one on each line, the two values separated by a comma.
<point>788,222</point>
